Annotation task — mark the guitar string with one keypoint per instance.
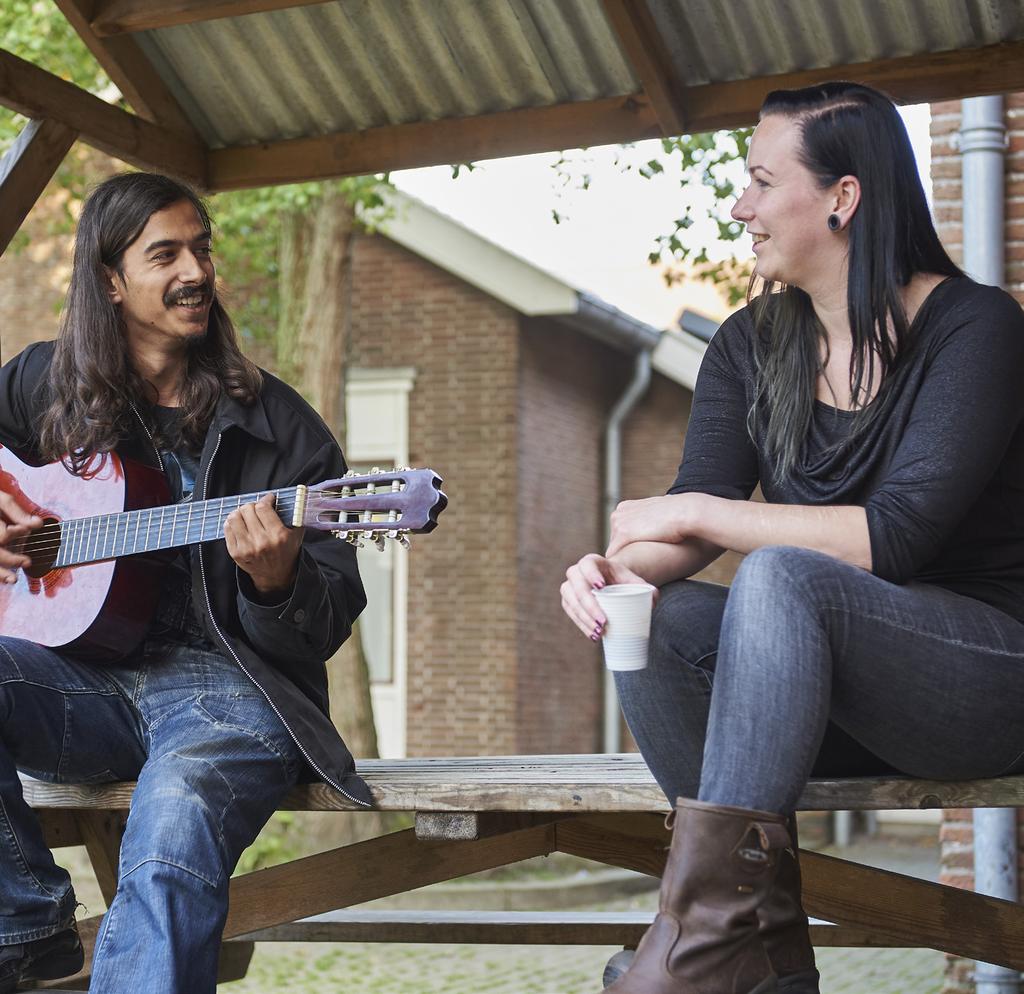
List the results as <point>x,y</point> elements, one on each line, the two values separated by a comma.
<point>87,529</point>
<point>41,541</point>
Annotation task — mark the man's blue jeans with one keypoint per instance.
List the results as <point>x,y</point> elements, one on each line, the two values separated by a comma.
<point>212,760</point>
<point>810,665</point>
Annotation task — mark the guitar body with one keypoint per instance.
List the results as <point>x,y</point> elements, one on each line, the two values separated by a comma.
<point>98,610</point>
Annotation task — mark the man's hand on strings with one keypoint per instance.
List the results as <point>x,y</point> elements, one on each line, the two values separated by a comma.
<point>264,547</point>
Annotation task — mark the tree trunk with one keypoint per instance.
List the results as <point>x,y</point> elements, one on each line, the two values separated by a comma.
<point>311,345</point>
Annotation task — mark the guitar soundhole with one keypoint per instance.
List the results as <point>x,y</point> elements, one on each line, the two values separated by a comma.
<point>42,547</point>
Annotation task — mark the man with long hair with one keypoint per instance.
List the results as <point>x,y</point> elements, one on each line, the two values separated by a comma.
<point>222,708</point>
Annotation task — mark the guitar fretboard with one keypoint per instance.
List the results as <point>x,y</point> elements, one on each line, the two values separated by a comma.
<point>107,536</point>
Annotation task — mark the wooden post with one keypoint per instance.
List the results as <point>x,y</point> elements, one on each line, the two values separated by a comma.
<point>102,832</point>
<point>26,169</point>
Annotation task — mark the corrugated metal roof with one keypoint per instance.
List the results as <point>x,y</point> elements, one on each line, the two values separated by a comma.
<point>356,64</point>
<point>713,41</point>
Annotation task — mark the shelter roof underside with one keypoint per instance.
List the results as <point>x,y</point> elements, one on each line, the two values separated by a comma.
<point>353,65</point>
<point>237,93</point>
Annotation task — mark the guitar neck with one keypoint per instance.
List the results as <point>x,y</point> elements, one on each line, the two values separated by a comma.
<point>127,533</point>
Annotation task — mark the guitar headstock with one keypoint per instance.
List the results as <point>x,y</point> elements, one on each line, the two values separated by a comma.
<point>377,505</point>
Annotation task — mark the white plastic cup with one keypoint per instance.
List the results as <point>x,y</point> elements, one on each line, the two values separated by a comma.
<point>627,630</point>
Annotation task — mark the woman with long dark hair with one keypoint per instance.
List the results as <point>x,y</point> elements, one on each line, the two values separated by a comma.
<point>877,621</point>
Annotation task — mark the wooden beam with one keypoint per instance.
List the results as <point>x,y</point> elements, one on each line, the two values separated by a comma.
<point>917,912</point>
<point>967,72</point>
<point>515,132</point>
<point>60,829</point>
<point>36,93</point>
<point>102,832</point>
<point>633,842</point>
<point>131,71</point>
<point>642,44</point>
<point>545,928</point>
<point>111,17</point>
<point>439,826</point>
<point>354,874</point>
<point>26,169</point>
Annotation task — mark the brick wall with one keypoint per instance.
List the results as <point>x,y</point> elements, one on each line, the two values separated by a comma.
<point>957,833</point>
<point>462,579</point>
<point>568,384</point>
<point>512,412</point>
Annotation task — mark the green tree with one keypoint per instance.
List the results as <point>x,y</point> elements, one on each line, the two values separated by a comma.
<point>707,166</point>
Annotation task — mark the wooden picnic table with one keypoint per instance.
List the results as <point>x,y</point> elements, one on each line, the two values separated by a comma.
<point>478,813</point>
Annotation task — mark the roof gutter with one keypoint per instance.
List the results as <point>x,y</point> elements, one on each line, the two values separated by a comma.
<point>610,325</point>
<point>612,726</point>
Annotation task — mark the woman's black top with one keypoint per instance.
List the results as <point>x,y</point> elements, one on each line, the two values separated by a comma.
<point>940,474</point>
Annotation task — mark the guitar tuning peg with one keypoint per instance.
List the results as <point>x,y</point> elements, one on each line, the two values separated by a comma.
<point>403,540</point>
<point>349,536</point>
<point>380,540</point>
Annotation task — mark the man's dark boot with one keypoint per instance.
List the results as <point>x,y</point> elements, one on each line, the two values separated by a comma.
<point>783,925</point>
<point>51,958</point>
<point>721,866</point>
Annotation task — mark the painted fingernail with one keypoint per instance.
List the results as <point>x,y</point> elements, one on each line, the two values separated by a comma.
<point>594,638</point>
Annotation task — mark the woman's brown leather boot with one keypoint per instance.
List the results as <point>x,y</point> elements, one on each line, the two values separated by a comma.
<point>722,864</point>
<point>784,926</point>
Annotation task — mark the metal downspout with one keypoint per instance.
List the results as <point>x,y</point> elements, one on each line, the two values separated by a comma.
<point>612,495</point>
<point>983,149</point>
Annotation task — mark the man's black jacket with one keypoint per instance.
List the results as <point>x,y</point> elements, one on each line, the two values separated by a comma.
<point>277,442</point>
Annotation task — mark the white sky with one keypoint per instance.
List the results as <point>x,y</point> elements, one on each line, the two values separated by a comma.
<point>602,244</point>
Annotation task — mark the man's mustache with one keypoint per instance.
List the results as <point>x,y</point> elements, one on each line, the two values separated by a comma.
<point>173,297</point>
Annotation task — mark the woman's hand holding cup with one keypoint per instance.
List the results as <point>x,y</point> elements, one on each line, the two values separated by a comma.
<point>582,579</point>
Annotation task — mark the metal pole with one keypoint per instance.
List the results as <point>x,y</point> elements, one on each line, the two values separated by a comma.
<point>983,148</point>
<point>611,738</point>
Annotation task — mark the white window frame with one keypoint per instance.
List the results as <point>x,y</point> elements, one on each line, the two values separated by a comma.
<point>377,429</point>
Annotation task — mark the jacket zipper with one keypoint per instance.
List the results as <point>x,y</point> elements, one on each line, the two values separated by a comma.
<point>227,645</point>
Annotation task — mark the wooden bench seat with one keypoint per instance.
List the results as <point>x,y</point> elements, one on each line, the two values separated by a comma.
<point>479,813</point>
<point>566,784</point>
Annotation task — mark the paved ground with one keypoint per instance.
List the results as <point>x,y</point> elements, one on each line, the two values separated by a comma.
<point>413,969</point>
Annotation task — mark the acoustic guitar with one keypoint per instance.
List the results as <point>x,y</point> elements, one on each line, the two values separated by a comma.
<point>97,559</point>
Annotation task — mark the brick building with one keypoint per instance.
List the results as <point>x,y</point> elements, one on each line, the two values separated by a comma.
<point>501,378</point>
<point>957,834</point>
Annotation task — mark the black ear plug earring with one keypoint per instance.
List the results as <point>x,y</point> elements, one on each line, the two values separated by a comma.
<point>833,222</point>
